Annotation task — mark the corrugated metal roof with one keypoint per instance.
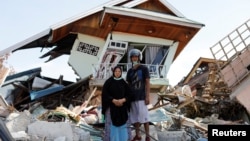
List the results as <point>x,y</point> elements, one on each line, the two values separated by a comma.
<point>37,94</point>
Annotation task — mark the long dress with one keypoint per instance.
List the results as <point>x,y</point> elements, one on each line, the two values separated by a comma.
<point>117,125</point>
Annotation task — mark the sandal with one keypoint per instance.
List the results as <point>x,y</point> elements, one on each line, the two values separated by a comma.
<point>136,138</point>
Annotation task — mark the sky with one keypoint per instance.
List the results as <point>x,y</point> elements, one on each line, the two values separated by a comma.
<point>20,20</point>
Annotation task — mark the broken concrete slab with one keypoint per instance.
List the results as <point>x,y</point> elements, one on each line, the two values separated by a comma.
<point>4,132</point>
<point>51,130</point>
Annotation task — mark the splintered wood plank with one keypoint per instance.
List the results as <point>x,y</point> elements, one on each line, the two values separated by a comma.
<point>4,71</point>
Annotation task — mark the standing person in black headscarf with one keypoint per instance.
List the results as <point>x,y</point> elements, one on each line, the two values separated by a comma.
<point>115,107</point>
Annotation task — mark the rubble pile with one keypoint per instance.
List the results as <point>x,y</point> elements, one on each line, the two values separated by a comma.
<point>29,100</point>
<point>33,107</point>
<point>193,109</point>
<point>38,108</point>
<point>214,98</point>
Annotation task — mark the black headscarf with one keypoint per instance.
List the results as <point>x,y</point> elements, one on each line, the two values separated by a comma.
<point>117,67</point>
<point>116,89</point>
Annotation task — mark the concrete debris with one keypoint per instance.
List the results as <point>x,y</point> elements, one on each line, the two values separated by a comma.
<point>25,126</point>
<point>50,130</point>
<point>4,132</point>
<point>38,108</point>
<point>173,136</point>
<point>18,121</point>
<point>73,113</point>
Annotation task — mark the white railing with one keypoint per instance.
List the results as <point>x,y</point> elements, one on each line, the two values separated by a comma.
<point>104,71</point>
<point>234,49</point>
<point>233,43</point>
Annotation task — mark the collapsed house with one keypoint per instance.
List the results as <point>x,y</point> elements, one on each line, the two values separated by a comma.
<point>96,41</point>
<point>220,85</point>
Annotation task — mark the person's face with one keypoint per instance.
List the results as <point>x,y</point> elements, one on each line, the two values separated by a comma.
<point>134,58</point>
<point>117,72</point>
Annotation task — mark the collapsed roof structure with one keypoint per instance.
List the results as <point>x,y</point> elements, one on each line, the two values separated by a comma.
<point>99,39</point>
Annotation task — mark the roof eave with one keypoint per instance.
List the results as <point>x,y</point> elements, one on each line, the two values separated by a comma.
<point>151,16</point>
<point>85,14</point>
<point>25,42</point>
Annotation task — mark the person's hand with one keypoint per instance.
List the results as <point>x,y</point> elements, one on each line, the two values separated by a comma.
<point>122,100</point>
<point>147,101</point>
<point>117,102</point>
